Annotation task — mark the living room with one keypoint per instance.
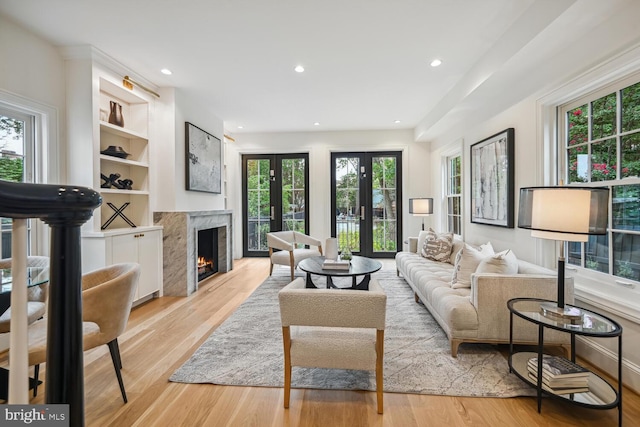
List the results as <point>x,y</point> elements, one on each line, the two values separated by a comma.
<point>593,44</point>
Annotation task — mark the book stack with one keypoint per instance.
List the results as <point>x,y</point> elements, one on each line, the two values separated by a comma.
<point>336,264</point>
<point>559,375</point>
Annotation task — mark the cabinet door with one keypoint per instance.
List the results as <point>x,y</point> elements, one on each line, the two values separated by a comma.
<point>149,257</point>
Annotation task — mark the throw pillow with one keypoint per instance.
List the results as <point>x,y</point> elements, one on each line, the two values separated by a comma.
<point>504,262</point>
<point>467,262</point>
<point>437,247</point>
<point>421,238</point>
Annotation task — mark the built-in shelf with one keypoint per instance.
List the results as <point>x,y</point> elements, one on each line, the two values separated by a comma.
<point>113,159</point>
<point>121,132</point>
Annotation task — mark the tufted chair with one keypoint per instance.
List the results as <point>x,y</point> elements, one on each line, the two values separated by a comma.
<point>107,296</point>
<point>290,252</point>
<point>36,296</point>
<point>334,329</point>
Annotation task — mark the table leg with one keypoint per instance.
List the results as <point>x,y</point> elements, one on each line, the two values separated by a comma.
<point>310,283</point>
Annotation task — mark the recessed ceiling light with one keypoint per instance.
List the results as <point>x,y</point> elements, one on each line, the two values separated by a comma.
<point>166,71</point>
<point>240,127</point>
<point>316,124</point>
<point>299,69</point>
<point>396,121</point>
<point>436,62</point>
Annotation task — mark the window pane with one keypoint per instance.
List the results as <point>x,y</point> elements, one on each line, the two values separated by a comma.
<point>603,160</point>
<point>575,253</point>
<point>603,111</point>
<point>631,108</point>
<point>626,255</point>
<point>626,207</point>
<point>597,253</point>
<point>578,122</point>
<point>630,155</point>
<point>578,164</point>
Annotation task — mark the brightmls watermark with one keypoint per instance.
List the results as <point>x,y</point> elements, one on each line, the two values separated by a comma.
<point>35,415</point>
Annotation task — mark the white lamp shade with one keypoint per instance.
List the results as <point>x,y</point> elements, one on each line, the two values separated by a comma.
<point>564,213</point>
<point>421,206</point>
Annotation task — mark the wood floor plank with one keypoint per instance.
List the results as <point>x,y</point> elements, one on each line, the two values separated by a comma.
<point>163,333</point>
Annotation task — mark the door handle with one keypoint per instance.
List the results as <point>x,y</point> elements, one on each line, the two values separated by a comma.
<point>273,213</point>
<point>361,213</point>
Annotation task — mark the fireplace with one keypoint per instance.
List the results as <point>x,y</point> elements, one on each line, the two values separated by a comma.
<point>207,255</point>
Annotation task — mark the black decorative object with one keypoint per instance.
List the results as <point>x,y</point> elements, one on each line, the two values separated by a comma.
<point>115,116</point>
<point>117,213</point>
<point>492,180</point>
<point>203,160</point>
<point>114,151</point>
<point>125,184</point>
<point>110,181</point>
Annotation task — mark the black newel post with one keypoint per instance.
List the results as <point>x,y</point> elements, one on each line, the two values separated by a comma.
<point>65,209</point>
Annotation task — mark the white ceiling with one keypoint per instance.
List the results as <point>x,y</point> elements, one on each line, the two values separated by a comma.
<point>366,61</point>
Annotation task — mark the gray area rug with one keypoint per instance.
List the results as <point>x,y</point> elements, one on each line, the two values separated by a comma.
<point>246,350</point>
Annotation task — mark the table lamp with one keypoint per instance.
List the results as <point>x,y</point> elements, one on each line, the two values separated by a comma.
<point>563,214</point>
<point>421,207</point>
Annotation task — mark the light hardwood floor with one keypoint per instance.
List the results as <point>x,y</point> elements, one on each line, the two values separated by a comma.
<point>163,333</point>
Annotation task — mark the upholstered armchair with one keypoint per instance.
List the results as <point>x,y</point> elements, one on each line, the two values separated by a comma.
<point>334,329</point>
<point>36,295</point>
<point>291,252</point>
<point>107,296</point>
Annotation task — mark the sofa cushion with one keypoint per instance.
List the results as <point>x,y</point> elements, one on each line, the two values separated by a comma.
<point>457,246</point>
<point>467,262</point>
<point>437,246</point>
<point>504,262</point>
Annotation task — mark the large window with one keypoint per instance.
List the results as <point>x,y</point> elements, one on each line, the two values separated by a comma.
<point>600,146</point>
<point>453,194</point>
<point>16,162</point>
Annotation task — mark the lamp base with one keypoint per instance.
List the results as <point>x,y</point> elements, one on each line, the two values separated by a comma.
<point>571,315</point>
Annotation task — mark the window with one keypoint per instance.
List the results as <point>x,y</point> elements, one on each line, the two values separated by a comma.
<point>16,162</point>
<point>599,136</point>
<point>453,194</point>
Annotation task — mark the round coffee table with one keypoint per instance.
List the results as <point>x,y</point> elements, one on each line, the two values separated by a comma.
<point>360,266</point>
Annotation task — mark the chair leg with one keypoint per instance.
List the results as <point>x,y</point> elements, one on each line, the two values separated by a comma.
<point>117,365</point>
<point>36,373</point>
<point>292,262</point>
<point>379,365</point>
<point>287,364</point>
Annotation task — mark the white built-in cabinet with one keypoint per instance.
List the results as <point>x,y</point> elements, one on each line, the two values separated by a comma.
<point>92,86</point>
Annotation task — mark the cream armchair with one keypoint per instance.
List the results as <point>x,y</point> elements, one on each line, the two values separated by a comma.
<point>334,329</point>
<point>290,254</point>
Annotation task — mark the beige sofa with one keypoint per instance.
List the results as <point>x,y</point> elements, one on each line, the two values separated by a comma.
<point>479,314</point>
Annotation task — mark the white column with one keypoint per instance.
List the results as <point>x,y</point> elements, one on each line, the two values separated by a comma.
<point>19,340</point>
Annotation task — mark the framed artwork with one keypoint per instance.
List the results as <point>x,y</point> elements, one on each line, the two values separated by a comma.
<point>492,180</point>
<point>204,160</point>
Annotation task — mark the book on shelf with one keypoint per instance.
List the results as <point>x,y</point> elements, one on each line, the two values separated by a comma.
<point>568,382</point>
<point>559,390</point>
<point>558,367</point>
<point>336,264</point>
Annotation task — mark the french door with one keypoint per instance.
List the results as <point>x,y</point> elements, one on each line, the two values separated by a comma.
<point>366,198</point>
<point>275,198</point>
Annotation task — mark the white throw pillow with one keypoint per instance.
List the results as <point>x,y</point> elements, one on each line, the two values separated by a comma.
<point>421,238</point>
<point>504,262</point>
<point>437,247</point>
<point>467,262</point>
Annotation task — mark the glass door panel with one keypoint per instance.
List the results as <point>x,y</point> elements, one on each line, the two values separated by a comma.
<point>258,203</point>
<point>294,194</point>
<point>383,204</point>
<point>347,201</point>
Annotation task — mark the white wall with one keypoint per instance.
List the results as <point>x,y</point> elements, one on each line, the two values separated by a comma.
<point>174,108</point>
<point>320,145</point>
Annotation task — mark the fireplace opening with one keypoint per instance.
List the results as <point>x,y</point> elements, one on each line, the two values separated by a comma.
<point>207,256</point>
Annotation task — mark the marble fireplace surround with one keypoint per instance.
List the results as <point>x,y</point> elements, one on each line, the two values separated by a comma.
<point>180,244</point>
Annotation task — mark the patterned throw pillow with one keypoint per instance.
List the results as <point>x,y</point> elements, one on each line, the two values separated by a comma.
<point>467,262</point>
<point>437,247</point>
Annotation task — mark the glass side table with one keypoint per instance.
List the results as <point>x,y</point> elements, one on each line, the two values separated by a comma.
<point>601,394</point>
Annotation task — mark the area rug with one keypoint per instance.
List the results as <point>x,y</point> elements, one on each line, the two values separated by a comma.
<point>246,350</point>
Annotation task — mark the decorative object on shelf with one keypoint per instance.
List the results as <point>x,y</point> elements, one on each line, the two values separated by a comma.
<point>332,249</point>
<point>421,206</point>
<point>117,213</point>
<point>115,116</point>
<point>114,151</point>
<point>109,181</point>
<point>203,159</point>
<point>125,184</point>
<point>492,180</point>
<point>563,214</point>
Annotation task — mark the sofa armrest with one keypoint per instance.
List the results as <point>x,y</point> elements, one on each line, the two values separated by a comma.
<point>413,244</point>
<point>490,293</point>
